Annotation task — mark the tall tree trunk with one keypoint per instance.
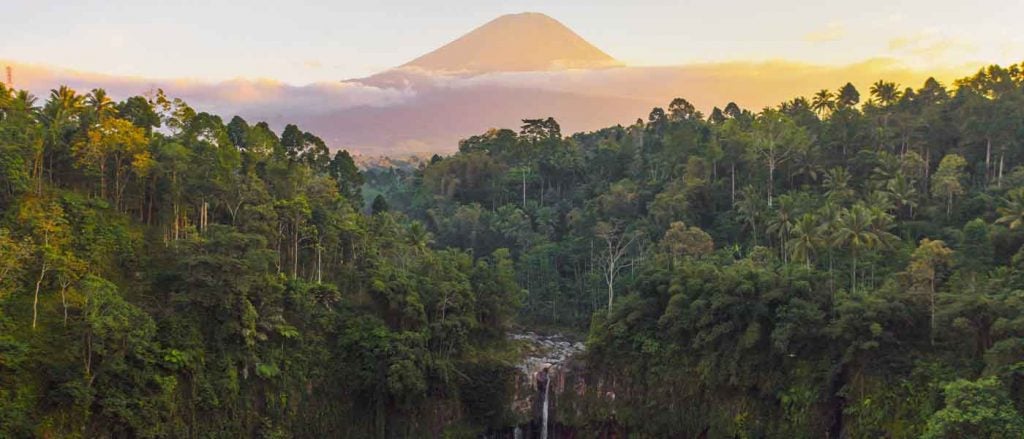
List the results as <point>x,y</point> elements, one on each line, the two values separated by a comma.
<point>64,301</point>
<point>988,159</point>
<point>319,262</point>
<point>35,300</point>
<point>853,273</point>
<point>524,190</point>
<point>931,310</point>
<point>733,178</point>
<point>999,180</point>
<point>295,248</point>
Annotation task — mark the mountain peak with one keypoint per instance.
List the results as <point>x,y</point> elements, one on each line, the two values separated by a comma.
<point>528,41</point>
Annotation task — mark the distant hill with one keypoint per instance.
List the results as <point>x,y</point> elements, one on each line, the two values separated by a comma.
<point>515,43</point>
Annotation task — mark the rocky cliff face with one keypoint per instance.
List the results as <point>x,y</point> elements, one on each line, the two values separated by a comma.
<point>556,396</point>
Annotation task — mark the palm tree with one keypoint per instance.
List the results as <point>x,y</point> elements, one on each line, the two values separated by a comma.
<point>885,93</point>
<point>59,116</point>
<point>1013,213</point>
<point>854,231</point>
<point>782,222</point>
<point>823,102</point>
<point>807,237</point>
<point>418,238</point>
<point>848,96</point>
<point>880,199</point>
<point>99,104</point>
<point>902,191</point>
<point>837,185</point>
<point>750,209</point>
<point>805,164</point>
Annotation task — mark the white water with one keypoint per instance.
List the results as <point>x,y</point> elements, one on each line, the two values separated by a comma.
<point>545,354</point>
<point>544,417</point>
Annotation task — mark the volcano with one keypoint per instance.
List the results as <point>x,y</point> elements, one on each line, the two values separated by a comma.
<point>528,41</point>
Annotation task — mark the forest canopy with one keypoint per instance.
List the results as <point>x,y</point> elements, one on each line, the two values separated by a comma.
<point>847,263</point>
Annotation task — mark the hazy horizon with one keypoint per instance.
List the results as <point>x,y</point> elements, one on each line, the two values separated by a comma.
<point>462,74</point>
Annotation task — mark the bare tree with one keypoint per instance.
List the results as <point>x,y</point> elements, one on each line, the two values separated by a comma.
<point>613,257</point>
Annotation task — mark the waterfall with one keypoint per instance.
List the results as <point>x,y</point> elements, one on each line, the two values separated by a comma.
<point>544,354</point>
<point>544,415</point>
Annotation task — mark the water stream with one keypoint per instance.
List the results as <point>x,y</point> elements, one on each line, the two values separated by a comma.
<point>544,416</point>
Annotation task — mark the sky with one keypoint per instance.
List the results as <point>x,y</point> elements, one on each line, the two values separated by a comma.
<point>301,42</point>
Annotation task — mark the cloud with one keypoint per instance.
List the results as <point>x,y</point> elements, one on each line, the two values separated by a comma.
<point>244,96</point>
<point>415,111</point>
<point>831,32</point>
<point>930,46</point>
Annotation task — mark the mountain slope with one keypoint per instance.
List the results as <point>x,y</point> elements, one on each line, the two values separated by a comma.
<point>514,43</point>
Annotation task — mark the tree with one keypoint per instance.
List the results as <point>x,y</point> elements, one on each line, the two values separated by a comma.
<point>854,231</point>
<point>848,96</point>
<point>139,112</point>
<point>823,102</point>
<point>946,180</point>
<point>775,138</point>
<point>238,132</point>
<point>292,141</point>
<point>61,116</point>
<point>1012,212</point>
<point>120,143</point>
<point>49,231</point>
<point>680,110</point>
<point>885,93</point>
<point>808,236</point>
<point>929,256</point>
<point>781,223</point>
<point>535,130</point>
<point>681,241</point>
<point>975,250</point>
<point>99,104</point>
<point>379,206</point>
<point>902,191</point>
<point>613,258</point>
<point>975,409</point>
<point>750,210</point>
<point>13,254</point>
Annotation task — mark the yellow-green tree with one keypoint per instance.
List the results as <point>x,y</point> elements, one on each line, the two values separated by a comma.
<point>114,143</point>
<point>929,256</point>
<point>946,182</point>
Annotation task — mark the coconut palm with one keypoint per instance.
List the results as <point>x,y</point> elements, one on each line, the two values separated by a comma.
<point>885,93</point>
<point>823,102</point>
<point>848,96</point>
<point>837,185</point>
<point>903,193</point>
<point>782,222</point>
<point>808,236</point>
<point>418,238</point>
<point>855,231</point>
<point>61,112</point>
<point>750,209</point>
<point>1012,214</point>
<point>99,104</point>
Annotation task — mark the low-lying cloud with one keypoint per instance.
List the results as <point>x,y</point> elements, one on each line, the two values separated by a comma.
<point>404,111</point>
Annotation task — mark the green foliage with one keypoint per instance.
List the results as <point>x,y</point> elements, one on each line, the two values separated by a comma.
<point>165,275</point>
<point>975,409</point>
<point>781,273</point>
